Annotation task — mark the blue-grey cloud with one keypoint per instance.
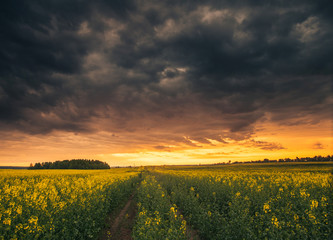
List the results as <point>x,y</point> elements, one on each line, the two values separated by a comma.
<point>203,69</point>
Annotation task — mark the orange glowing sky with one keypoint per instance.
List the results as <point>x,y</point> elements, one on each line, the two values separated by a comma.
<point>143,83</point>
<point>125,150</point>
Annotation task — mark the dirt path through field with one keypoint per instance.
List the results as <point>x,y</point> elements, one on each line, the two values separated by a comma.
<point>120,227</point>
<point>191,233</point>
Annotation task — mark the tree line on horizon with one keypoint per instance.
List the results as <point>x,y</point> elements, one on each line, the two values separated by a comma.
<point>328,158</point>
<point>71,164</point>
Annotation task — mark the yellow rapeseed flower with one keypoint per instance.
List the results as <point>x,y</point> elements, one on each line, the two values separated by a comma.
<point>19,210</point>
<point>275,222</point>
<point>209,213</point>
<point>266,208</point>
<point>7,221</point>
<point>314,204</point>
<point>172,209</point>
<point>33,220</point>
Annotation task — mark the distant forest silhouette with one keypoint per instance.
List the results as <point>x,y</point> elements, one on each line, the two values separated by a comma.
<point>328,158</point>
<point>71,164</point>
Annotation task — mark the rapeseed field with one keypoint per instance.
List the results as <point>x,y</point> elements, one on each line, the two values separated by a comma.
<point>255,201</point>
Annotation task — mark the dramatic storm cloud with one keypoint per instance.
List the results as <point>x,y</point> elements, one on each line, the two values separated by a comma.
<point>165,72</point>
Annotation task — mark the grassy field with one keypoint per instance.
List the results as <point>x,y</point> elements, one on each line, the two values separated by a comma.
<point>243,201</point>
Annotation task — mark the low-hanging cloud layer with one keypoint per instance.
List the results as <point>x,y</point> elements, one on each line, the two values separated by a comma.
<point>167,72</point>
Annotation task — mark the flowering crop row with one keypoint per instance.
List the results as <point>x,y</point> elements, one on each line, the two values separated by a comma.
<point>252,205</point>
<point>157,218</point>
<point>58,204</point>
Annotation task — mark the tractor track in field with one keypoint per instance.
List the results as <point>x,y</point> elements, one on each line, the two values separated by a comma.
<point>121,225</point>
<point>191,233</point>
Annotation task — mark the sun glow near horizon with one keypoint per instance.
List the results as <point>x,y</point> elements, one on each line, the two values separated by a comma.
<point>271,141</point>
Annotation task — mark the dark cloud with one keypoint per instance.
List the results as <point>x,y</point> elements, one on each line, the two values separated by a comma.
<point>164,148</point>
<point>199,70</point>
<point>318,145</point>
<point>265,145</point>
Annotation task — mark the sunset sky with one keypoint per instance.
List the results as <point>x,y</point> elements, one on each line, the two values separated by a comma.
<point>165,82</point>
